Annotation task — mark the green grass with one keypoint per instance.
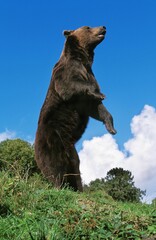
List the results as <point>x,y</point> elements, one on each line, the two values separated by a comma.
<point>32,210</point>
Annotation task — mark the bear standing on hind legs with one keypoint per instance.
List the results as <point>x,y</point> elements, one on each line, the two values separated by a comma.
<point>73,96</point>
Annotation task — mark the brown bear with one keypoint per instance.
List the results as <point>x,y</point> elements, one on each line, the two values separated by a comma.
<point>73,96</point>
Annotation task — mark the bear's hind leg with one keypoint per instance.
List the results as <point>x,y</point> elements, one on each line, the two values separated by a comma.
<point>72,177</point>
<point>51,157</point>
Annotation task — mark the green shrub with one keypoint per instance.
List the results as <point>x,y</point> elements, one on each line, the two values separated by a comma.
<point>17,157</point>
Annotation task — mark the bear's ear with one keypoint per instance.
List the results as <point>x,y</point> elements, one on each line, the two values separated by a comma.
<point>67,33</point>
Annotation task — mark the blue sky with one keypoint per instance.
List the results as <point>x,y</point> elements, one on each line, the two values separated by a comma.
<point>31,42</point>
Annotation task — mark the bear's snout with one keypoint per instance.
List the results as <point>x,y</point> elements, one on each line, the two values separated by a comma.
<point>103,30</point>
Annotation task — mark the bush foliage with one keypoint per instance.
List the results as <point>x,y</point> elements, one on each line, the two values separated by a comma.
<point>17,158</point>
<point>119,185</point>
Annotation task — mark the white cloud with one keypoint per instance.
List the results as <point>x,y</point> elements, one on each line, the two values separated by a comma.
<point>101,154</point>
<point>7,135</point>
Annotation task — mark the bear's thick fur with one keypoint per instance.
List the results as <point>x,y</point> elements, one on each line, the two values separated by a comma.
<point>73,96</point>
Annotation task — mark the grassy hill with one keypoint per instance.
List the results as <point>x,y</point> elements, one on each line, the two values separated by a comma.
<point>30,209</point>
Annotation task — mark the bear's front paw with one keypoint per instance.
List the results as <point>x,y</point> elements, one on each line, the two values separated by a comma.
<point>109,125</point>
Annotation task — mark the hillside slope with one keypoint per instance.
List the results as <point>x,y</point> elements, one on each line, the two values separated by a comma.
<point>30,209</point>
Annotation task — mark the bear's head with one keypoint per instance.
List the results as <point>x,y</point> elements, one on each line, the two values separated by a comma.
<point>86,37</point>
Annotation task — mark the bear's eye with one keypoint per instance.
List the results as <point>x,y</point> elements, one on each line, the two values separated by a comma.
<point>86,27</point>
